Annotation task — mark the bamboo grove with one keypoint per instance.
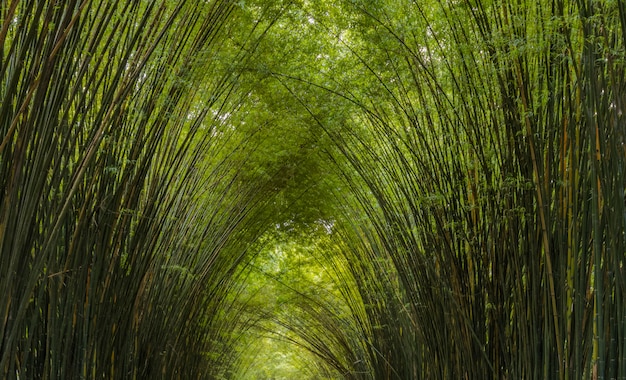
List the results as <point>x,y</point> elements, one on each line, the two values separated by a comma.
<point>118,234</point>
<point>390,189</point>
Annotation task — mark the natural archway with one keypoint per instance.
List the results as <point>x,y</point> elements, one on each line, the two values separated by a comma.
<point>297,189</point>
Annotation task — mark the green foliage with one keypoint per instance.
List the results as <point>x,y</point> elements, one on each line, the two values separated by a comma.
<point>471,138</point>
<point>299,189</point>
<point>482,151</point>
<point>120,225</point>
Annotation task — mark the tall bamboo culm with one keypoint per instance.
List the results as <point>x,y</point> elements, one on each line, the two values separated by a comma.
<point>116,229</point>
<point>493,180</point>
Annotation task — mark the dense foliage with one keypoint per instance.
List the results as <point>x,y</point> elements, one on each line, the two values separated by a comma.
<point>297,189</point>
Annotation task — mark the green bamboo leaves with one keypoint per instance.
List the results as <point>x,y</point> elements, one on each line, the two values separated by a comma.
<point>114,224</point>
<point>491,175</point>
<point>473,225</point>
